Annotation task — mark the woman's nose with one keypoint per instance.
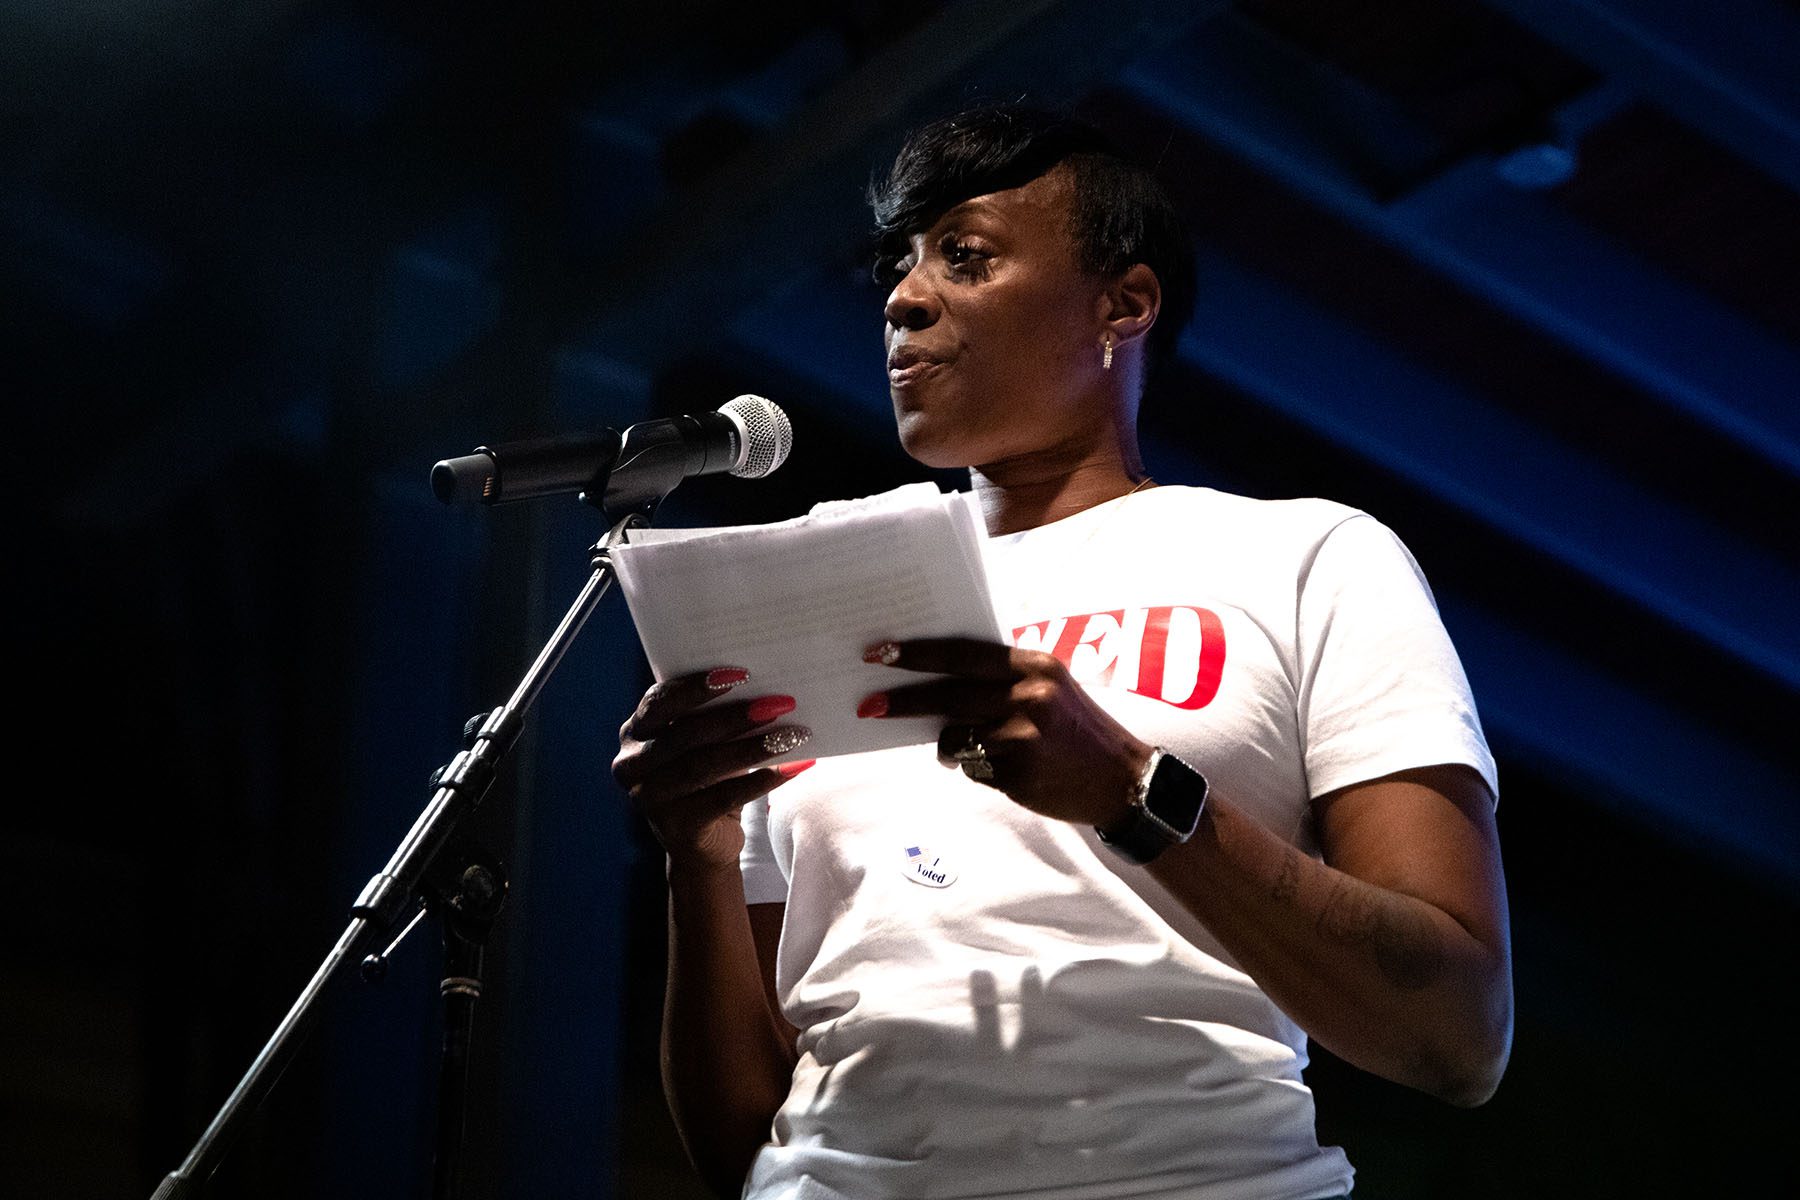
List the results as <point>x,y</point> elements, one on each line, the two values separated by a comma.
<point>910,306</point>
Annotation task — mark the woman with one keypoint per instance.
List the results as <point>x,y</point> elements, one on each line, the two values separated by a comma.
<point>1227,785</point>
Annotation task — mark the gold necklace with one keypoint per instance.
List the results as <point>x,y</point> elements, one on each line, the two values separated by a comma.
<point>1106,520</point>
<point>1143,483</point>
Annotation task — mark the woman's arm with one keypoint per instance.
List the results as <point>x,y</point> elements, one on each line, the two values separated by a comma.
<point>727,1057</point>
<point>1393,952</point>
<point>689,763</point>
<point>765,926</point>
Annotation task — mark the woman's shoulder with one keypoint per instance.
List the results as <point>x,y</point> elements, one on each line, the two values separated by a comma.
<point>1308,520</point>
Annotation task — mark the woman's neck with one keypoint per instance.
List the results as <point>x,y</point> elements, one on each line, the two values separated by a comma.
<point>1018,495</point>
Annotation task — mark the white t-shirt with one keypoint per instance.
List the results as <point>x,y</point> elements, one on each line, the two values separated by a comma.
<point>990,1003</point>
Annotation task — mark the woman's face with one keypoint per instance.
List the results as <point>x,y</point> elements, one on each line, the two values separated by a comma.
<point>993,331</point>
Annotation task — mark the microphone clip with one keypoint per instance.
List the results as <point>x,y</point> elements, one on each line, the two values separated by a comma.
<point>652,459</point>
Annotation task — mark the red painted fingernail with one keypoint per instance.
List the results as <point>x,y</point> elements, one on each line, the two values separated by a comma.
<point>724,679</point>
<point>874,706</point>
<point>789,770</point>
<point>768,708</point>
<point>884,653</point>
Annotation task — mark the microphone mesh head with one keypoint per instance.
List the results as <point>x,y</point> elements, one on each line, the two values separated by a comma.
<point>767,435</point>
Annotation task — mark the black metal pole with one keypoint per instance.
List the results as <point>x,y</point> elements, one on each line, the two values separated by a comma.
<point>469,903</point>
<point>461,988</point>
<point>387,895</point>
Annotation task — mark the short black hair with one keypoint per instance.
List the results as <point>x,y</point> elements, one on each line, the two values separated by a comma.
<point>1121,214</point>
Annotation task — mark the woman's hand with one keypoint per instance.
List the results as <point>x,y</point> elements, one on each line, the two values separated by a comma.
<point>688,763</point>
<point>1051,747</point>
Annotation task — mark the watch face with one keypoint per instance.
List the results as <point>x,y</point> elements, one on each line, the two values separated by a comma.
<point>1175,796</point>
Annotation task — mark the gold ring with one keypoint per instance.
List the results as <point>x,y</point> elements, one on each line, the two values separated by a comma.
<point>973,757</point>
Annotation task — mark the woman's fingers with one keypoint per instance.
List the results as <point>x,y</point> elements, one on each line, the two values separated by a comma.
<point>714,723</point>
<point>997,742</point>
<point>967,657</point>
<point>956,743</point>
<point>689,764</point>
<point>679,740</point>
<point>706,766</point>
<point>659,780</point>
<point>673,698</point>
<point>979,687</point>
<point>1014,720</point>
<point>958,699</point>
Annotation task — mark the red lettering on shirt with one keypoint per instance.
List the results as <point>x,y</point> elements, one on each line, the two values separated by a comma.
<point>1094,628</point>
<point>1200,649</point>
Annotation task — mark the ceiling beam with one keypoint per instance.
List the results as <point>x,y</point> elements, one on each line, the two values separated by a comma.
<point>1512,247</point>
<point>1640,758</point>
<point>1730,68</point>
<point>1512,475</point>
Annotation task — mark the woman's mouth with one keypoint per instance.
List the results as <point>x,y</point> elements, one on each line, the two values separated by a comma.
<point>907,366</point>
<point>912,373</point>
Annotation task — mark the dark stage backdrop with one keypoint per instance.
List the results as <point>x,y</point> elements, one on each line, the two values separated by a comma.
<point>1517,277</point>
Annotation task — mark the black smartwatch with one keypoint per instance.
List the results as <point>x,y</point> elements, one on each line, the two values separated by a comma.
<point>1165,810</point>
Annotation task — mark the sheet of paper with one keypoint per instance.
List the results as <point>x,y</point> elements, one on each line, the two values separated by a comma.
<point>796,602</point>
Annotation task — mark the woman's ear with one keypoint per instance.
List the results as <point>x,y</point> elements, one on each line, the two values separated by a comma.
<point>1131,302</point>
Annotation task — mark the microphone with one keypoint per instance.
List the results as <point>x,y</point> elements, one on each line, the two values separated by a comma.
<point>748,437</point>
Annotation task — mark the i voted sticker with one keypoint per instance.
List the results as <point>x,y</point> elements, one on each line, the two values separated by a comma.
<point>928,868</point>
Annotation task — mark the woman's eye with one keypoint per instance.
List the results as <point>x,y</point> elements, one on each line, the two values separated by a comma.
<point>963,256</point>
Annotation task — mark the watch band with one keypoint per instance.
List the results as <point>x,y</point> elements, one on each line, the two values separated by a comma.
<point>1165,810</point>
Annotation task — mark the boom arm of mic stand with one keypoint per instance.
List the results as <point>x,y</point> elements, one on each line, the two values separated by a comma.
<point>388,895</point>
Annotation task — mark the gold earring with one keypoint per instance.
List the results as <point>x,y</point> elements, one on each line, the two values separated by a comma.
<point>1106,353</point>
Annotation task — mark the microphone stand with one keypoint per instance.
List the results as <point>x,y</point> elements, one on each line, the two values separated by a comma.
<point>468,894</point>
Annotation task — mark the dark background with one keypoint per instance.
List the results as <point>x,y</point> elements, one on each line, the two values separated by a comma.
<point>1520,277</point>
